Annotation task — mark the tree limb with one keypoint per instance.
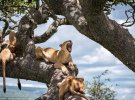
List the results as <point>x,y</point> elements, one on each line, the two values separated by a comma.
<point>51,30</point>
<point>101,29</point>
<point>107,33</point>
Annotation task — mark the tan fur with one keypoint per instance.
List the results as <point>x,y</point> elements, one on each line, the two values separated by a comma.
<point>60,57</point>
<point>73,85</point>
<point>5,56</point>
<point>12,45</point>
<point>12,41</point>
<point>39,54</point>
<point>5,44</point>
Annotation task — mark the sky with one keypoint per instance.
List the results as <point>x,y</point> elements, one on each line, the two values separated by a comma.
<point>91,58</point>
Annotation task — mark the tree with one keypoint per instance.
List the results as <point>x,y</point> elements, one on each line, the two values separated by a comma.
<point>83,15</point>
<point>98,90</point>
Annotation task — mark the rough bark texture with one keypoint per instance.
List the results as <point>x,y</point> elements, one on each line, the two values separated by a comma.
<point>88,18</point>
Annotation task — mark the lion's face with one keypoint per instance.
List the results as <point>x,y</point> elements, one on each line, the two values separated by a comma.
<point>67,45</point>
<point>82,89</point>
<point>81,86</point>
<point>78,84</point>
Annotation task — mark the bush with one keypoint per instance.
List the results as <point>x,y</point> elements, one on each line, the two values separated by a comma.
<point>98,90</point>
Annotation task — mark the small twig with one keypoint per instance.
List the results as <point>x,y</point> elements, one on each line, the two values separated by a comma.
<point>11,20</point>
<point>128,21</point>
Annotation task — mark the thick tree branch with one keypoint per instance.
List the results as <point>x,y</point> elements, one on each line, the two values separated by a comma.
<point>51,30</point>
<point>112,36</point>
<point>73,12</point>
<point>38,71</point>
<point>102,30</point>
<point>107,33</point>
